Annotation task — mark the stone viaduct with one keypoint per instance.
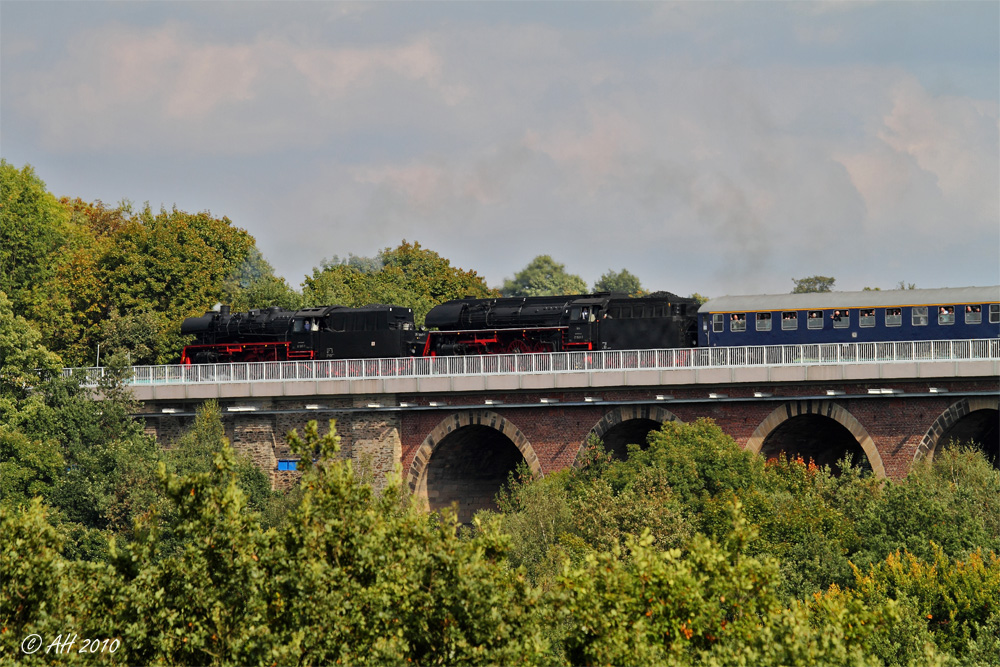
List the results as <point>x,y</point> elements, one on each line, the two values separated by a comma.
<point>456,438</point>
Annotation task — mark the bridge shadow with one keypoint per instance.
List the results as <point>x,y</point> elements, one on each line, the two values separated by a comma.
<point>628,425</point>
<point>467,470</point>
<point>979,428</point>
<point>814,438</point>
<point>821,431</point>
<point>632,432</point>
<point>466,459</point>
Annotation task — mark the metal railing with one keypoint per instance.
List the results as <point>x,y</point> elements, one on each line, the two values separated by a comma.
<point>561,362</point>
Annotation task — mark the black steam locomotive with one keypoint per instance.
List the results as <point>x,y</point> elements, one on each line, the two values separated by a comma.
<point>326,332</point>
<point>463,326</point>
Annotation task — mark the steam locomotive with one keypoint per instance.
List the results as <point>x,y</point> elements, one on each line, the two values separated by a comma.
<point>463,326</point>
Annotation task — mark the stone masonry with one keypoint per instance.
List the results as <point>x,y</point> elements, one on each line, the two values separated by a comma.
<point>380,437</point>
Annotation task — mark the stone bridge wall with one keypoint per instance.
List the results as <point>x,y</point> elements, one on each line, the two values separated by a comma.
<point>899,428</point>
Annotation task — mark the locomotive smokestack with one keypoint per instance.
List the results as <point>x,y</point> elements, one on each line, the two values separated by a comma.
<point>224,310</point>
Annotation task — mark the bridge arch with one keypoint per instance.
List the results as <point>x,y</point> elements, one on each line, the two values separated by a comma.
<point>625,425</point>
<point>817,409</point>
<point>969,418</point>
<point>443,472</point>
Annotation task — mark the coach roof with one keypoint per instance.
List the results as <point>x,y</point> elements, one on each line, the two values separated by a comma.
<point>866,299</point>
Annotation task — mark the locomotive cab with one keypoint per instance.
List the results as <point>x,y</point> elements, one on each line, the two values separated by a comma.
<point>584,316</point>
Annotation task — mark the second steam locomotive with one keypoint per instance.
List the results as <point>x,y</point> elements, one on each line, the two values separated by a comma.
<point>463,326</point>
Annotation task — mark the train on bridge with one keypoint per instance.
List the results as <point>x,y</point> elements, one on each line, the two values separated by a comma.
<point>591,322</point>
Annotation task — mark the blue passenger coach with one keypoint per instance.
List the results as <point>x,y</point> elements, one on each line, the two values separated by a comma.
<point>849,317</point>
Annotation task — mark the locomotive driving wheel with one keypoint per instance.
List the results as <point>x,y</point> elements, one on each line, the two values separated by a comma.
<point>518,347</point>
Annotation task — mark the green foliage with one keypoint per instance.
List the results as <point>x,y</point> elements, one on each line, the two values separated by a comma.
<point>957,602</point>
<point>543,276</point>
<point>813,284</point>
<point>34,580</point>
<point>107,473</point>
<point>697,461</point>
<point>712,605</point>
<point>85,274</point>
<point>33,230</point>
<point>207,602</point>
<point>174,264</point>
<point>899,286</point>
<point>621,281</point>
<point>350,577</point>
<point>195,451</point>
<point>363,578</point>
<point>699,298</point>
<point>408,275</point>
<point>24,360</point>
<point>28,468</point>
<point>254,285</point>
<point>953,502</point>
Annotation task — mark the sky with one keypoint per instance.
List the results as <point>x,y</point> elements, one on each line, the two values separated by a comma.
<point>711,147</point>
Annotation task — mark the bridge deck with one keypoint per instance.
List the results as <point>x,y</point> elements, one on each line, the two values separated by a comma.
<point>717,365</point>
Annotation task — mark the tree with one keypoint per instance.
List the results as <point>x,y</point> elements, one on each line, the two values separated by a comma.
<point>901,285</point>
<point>350,577</point>
<point>813,284</point>
<point>109,474</point>
<point>24,360</point>
<point>622,281</point>
<point>543,276</point>
<point>174,264</point>
<point>254,285</point>
<point>699,298</point>
<point>33,230</point>
<point>194,452</point>
<point>408,275</point>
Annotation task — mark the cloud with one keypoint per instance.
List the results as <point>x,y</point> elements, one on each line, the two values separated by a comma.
<point>644,144</point>
<point>166,89</point>
<point>954,139</point>
<point>929,161</point>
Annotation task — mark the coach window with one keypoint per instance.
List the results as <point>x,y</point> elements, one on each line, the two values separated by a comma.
<point>841,319</point>
<point>738,322</point>
<point>994,313</point>
<point>946,315</point>
<point>789,321</point>
<point>973,314</point>
<point>717,322</point>
<point>297,326</point>
<point>866,317</point>
<point>893,317</point>
<point>918,316</point>
<point>763,321</point>
<point>815,319</point>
